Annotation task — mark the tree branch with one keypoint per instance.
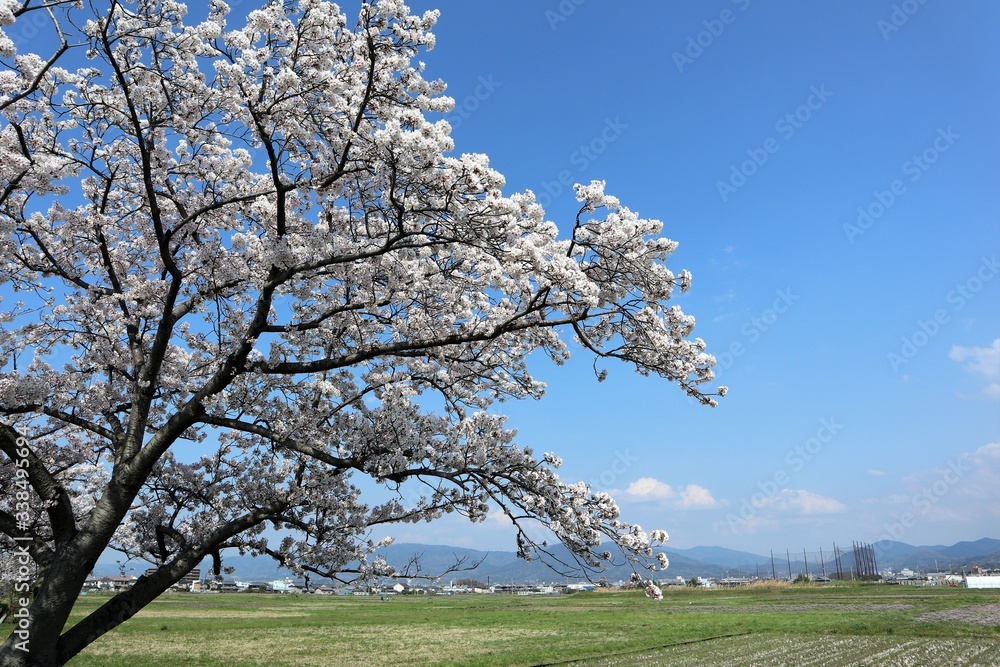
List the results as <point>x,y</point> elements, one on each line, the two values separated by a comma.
<point>53,495</point>
<point>36,546</point>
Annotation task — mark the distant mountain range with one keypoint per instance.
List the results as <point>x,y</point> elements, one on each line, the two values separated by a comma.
<point>897,555</point>
<point>505,566</point>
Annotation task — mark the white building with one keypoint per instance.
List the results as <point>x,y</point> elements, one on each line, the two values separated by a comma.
<point>982,581</point>
<point>285,586</point>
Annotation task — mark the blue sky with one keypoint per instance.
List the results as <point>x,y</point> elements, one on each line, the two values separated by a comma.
<point>832,173</point>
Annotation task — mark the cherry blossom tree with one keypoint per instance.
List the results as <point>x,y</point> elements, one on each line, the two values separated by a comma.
<point>243,271</point>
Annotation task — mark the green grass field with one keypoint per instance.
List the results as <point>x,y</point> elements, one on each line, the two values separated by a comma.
<point>831,626</point>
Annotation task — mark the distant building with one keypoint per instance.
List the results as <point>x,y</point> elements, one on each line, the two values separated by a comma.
<point>578,587</point>
<point>733,582</point>
<point>115,583</point>
<point>287,586</point>
<point>982,581</point>
<point>254,586</point>
<point>186,583</point>
<point>225,585</point>
<point>325,589</point>
<point>944,579</point>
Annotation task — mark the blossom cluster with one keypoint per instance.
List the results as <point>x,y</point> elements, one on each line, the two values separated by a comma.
<point>256,244</point>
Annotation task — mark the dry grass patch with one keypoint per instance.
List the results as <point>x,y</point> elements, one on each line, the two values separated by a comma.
<point>374,645</point>
<point>268,612</point>
<point>768,585</point>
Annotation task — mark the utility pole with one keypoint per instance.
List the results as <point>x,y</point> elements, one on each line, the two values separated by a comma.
<point>773,574</point>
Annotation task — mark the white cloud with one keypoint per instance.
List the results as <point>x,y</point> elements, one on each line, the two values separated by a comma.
<point>498,517</point>
<point>748,526</point>
<point>985,360</point>
<point>982,360</point>
<point>691,496</point>
<point>990,451</point>
<point>802,502</point>
<point>813,503</point>
<point>964,489</point>
<point>876,473</point>
<point>694,496</point>
<point>649,488</point>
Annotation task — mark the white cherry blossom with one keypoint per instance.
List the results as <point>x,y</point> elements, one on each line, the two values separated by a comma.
<point>243,271</point>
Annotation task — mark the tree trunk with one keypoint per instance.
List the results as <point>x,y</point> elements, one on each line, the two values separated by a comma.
<point>60,585</point>
<point>47,645</point>
<point>35,638</point>
<point>50,610</point>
